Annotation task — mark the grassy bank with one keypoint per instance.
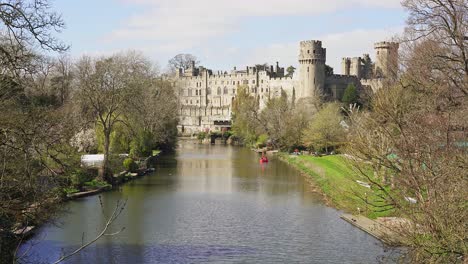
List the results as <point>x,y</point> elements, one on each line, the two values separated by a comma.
<point>336,179</point>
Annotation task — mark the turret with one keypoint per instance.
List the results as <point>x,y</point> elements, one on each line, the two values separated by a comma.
<point>311,68</point>
<point>345,65</point>
<point>386,63</point>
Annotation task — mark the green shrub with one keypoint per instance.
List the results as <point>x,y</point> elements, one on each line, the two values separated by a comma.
<point>79,177</point>
<point>227,134</point>
<point>261,141</point>
<point>201,135</point>
<point>70,190</point>
<point>130,165</point>
<point>97,184</point>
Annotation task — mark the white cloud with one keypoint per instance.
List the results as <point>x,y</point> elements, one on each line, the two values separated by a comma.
<point>191,22</point>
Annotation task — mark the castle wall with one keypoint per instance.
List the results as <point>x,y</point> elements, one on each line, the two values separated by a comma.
<point>335,85</point>
<point>206,99</point>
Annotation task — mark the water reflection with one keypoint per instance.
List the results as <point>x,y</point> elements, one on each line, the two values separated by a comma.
<point>214,204</point>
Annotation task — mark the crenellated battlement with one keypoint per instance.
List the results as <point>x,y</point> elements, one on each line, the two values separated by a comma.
<point>207,96</point>
<point>386,45</point>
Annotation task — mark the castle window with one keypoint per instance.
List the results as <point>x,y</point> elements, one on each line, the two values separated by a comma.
<point>225,90</point>
<point>307,69</point>
<point>189,92</point>
<point>219,91</point>
<point>262,90</point>
<point>197,101</point>
<point>233,91</point>
<point>234,82</point>
<point>208,90</point>
<point>196,92</point>
<point>314,51</point>
<point>262,81</point>
<point>253,81</point>
<point>308,51</point>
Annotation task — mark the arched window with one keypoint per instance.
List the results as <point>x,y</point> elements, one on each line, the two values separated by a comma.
<point>219,91</point>
<point>225,90</point>
<point>189,92</point>
<point>208,91</point>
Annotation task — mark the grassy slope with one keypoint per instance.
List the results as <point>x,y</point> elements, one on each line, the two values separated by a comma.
<point>337,180</point>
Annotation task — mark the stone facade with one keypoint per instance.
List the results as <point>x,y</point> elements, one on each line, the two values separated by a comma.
<point>206,96</point>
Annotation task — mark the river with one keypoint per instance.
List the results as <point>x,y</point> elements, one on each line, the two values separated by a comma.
<point>209,204</point>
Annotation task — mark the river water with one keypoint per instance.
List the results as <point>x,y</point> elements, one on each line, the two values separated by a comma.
<point>208,204</point>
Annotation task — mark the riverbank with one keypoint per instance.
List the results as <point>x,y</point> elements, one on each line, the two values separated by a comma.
<point>334,177</point>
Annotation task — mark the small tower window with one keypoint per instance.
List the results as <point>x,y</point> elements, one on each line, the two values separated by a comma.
<point>307,69</point>
<point>308,51</point>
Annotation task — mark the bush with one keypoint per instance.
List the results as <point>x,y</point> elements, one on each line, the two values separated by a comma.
<point>201,135</point>
<point>97,184</point>
<point>130,165</point>
<point>79,177</point>
<point>261,141</point>
<point>227,134</point>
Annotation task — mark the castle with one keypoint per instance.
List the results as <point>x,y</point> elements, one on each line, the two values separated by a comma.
<point>206,97</point>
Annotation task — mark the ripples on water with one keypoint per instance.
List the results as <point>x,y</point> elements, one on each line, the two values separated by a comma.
<point>210,204</point>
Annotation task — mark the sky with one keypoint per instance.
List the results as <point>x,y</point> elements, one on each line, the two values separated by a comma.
<point>228,33</point>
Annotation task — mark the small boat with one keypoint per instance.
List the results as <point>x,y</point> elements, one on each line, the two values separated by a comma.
<point>264,160</point>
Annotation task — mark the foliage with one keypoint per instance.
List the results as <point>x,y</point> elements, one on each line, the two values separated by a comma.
<point>328,70</point>
<point>130,165</point>
<point>202,135</point>
<point>290,71</point>
<point>324,130</point>
<point>413,138</point>
<point>245,116</point>
<point>97,184</point>
<point>79,177</point>
<point>262,141</point>
<point>350,95</point>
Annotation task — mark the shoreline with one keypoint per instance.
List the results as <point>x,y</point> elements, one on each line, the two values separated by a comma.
<point>374,227</point>
<point>27,232</point>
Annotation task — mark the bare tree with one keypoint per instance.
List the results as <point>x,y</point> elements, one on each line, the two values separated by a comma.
<point>182,61</point>
<point>25,25</point>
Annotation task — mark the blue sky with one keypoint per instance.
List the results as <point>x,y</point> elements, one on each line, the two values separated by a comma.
<point>227,33</point>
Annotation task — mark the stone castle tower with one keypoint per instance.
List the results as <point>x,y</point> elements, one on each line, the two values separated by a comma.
<point>311,68</point>
<point>386,63</point>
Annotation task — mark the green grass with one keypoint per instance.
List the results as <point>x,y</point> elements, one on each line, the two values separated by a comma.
<point>336,178</point>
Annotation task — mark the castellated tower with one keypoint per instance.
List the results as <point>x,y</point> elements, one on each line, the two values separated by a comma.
<point>386,63</point>
<point>311,68</point>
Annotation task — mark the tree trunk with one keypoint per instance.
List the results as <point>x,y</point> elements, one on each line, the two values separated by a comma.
<point>105,165</point>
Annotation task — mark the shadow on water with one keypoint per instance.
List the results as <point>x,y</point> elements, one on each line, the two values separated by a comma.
<point>210,204</point>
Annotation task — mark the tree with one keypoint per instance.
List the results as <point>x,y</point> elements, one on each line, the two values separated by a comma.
<point>155,115</point>
<point>350,95</point>
<point>26,24</point>
<point>328,70</point>
<point>105,88</point>
<point>444,22</point>
<point>182,61</point>
<point>34,137</point>
<point>245,119</point>
<point>414,138</point>
<point>325,129</point>
<point>290,71</point>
